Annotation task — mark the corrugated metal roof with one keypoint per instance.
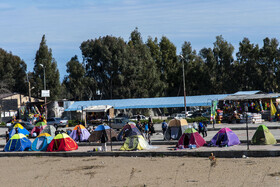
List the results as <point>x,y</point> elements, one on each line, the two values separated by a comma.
<point>252,96</point>
<point>246,92</point>
<point>159,102</point>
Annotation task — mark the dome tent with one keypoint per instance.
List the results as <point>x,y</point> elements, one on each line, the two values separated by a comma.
<point>62,142</point>
<point>190,137</point>
<point>18,142</point>
<point>84,134</point>
<point>175,129</point>
<point>128,130</point>
<point>41,142</point>
<point>20,129</point>
<point>225,137</point>
<point>263,136</point>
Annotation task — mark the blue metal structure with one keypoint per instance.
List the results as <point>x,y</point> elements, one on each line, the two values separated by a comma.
<point>159,102</point>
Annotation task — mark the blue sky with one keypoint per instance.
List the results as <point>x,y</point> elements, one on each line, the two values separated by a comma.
<point>67,23</point>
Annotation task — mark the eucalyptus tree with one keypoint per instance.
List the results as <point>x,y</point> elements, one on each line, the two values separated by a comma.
<point>45,60</point>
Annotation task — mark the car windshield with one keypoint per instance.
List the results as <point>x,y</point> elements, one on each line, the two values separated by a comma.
<point>57,119</point>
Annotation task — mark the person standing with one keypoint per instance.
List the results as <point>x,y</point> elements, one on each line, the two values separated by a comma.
<point>103,140</point>
<point>79,132</point>
<point>205,129</point>
<point>164,128</point>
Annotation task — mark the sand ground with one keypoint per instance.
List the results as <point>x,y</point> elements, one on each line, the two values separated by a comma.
<point>135,171</point>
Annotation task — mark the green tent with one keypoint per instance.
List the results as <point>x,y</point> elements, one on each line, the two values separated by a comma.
<point>262,136</point>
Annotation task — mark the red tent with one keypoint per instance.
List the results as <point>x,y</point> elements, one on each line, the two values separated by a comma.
<point>62,142</point>
<point>190,137</point>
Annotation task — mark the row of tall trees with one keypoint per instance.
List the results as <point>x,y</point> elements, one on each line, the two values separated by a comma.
<point>113,68</point>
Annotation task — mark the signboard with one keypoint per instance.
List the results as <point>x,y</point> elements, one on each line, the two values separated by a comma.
<point>45,93</point>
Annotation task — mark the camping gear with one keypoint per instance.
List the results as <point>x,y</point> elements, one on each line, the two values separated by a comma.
<point>189,138</point>
<point>128,130</point>
<point>263,136</point>
<point>175,129</point>
<point>20,129</point>
<point>135,142</point>
<point>62,142</point>
<point>96,134</point>
<point>50,129</point>
<point>41,142</point>
<point>84,134</point>
<point>18,142</point>
<point>38,128</point>
<point>225,137</point>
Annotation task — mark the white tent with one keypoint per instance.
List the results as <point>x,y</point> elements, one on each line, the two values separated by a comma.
<point>98,108</point>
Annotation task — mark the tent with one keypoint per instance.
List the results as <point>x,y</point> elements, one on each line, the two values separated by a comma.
<point>50,129</point>
<point>175,129</point>
<point>96,134</point>
<point>190,137</point>
<point>18,142</point>
<point>225,137</point>
<point>84,134</point>
<point>21,130</point>
<point>263,136</point>
<point>62,142</point>
<point>135,142</point>
<point>38,128</point>
<point>41,142</point>
<point>128,130</point>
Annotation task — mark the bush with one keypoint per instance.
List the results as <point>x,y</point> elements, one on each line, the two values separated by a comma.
<point>2,124</point>
<point>197,119</point>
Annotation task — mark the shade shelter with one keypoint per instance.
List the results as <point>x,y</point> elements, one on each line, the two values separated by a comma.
<point>190,137</point>
<point>175,129</point>
<point>96,134</point>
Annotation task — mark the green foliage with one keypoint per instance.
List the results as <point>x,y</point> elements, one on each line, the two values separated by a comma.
<point>44,57</point>
<point>2,124</point>
<point>197,119</point>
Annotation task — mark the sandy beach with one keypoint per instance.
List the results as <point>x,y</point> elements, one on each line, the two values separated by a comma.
<point>135,171</point>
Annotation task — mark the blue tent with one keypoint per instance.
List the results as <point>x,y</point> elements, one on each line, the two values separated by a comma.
<point>20,129</point>
<point>18,142</point>
<point>41,142</point>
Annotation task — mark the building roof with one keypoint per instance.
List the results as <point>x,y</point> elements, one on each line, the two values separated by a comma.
<point>159,102</point>
<point>247,92</point>
<point>251,96</point>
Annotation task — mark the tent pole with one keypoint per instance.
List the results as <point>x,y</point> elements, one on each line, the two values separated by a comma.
<point>111,134</point>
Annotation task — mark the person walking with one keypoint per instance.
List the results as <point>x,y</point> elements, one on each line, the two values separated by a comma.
<point>205,129</point>
<point>103,140</point>
<point>164,128</point>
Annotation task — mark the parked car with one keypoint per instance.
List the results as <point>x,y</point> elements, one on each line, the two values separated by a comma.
<point>28,126</point>
<point>118,122</point>
<point>142,117</point>
<point>57,122</point>
<point>177,116</point>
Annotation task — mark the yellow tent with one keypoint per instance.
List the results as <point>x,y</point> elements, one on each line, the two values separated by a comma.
<point>136,142</point>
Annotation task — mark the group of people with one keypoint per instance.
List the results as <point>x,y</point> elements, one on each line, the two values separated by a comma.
<point>201,127</point>
<point>146,128</point>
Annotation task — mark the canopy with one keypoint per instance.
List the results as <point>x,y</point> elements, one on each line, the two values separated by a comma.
<point>99,108</point>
